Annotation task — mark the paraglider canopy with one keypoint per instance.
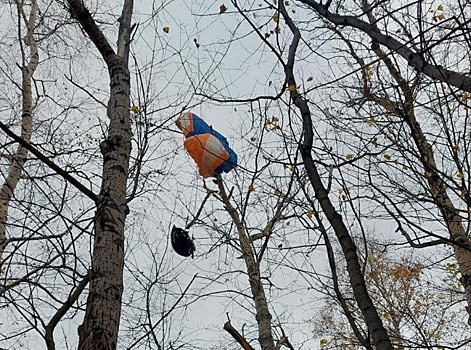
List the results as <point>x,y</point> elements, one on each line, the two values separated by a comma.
<point>208,148</point>
<point>182,242</point>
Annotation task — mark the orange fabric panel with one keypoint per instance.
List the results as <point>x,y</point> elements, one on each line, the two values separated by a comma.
<point>207,151</point>
<point>185,123</point>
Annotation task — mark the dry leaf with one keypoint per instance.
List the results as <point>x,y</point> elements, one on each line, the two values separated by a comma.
<point>222,8</point>
<point>374,142</point>
<point>135,109</point>
<point>166,29</point>
<point>460,175</point>
<point>369,121</point>
<point>277,192</point>
<point>463,192</point>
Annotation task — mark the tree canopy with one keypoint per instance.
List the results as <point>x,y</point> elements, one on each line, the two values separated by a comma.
<point>344,225</point>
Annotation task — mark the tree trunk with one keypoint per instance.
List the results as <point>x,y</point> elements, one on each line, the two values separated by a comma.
<point>375,326</point>
<point>263,316</point>
<point>18,159</point>
<point>101,322</point>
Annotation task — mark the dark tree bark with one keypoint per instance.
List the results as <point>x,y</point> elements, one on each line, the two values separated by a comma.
<point>375,326</point>
<point>414,59</point>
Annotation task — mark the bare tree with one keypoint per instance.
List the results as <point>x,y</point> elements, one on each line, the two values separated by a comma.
<point>415,65</point>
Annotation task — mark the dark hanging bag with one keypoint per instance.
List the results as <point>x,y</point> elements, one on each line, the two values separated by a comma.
<point>182,242</point>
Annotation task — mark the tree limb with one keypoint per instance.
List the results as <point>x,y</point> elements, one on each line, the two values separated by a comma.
<point>237,336</point>
<point>414,59</point>
<point>78,185</point>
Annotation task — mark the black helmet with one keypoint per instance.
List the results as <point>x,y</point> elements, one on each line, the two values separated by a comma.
<point>181,242</point>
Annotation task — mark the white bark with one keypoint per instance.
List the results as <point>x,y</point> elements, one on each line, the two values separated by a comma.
<point>29,65</point>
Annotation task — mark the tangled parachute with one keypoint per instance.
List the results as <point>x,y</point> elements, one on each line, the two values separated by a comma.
<point>208,148</point>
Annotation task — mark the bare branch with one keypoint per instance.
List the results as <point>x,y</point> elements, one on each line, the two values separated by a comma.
<point>414,59</point>
<point>237,336</point>
<point>49,163</point>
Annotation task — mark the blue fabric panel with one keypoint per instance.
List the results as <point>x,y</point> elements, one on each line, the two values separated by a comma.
<point>200,127</point>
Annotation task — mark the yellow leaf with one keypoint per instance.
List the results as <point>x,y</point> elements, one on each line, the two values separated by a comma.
<point>387,156</point>
<point>276,18</point>
<point>460,175</point>
<point>428,174</point>
<point>310,213</point>
<point>369,121</point>
<point>440,8</point>
<point>135,109</point>
<point>349,156</point>
<point>278,30</point>
<point>441,16</point>
<point>275,120</point>
<point>277,192</point>
<point>166,29</point>
<point>323,342</point>
<point>222,8</point>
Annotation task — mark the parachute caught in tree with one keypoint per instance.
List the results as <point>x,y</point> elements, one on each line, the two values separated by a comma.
<point>208,148</point>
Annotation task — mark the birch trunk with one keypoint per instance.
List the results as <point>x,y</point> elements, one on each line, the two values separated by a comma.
<point>18,159</point>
